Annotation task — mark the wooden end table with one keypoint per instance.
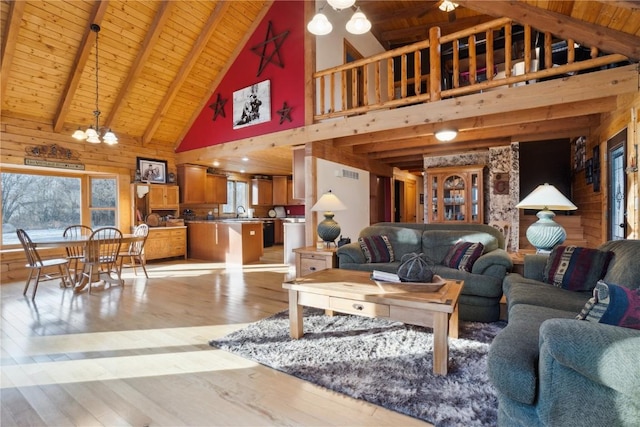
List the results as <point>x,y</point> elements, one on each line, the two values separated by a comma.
<point>353,292</point>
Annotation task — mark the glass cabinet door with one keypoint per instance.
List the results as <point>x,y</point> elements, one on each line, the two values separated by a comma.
<point>433,200</point>
<point>454,198</point>
<point>475,197</point>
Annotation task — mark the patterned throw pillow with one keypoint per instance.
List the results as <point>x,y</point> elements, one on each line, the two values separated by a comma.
<point>376,248</point>
<point>613,305</point>
<point>462,255</point>
<point>575,268</point>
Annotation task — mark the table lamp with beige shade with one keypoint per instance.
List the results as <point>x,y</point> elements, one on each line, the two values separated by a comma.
<point>545,233</point>
<point>328,229</point>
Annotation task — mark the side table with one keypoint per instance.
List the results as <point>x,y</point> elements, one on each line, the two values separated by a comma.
<point>309,260</point>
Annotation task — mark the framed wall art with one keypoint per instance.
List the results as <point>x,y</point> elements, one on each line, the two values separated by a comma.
<point>252,105</point>
<point>596,168</point>
<point>152,171</point>
<point>579,153</point>
<point>588,171</point>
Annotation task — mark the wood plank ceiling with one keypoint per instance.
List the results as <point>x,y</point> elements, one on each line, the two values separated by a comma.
<point>161,60</point>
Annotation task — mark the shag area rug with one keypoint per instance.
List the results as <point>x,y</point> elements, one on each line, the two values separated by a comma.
<point>389,364</point>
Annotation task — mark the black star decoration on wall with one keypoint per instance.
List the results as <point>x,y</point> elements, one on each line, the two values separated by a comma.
<point>218,107</point>
<point>285,113</point>
<point>270,57</point>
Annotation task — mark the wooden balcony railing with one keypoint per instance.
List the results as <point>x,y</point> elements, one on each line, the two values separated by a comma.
<point>487,56</point>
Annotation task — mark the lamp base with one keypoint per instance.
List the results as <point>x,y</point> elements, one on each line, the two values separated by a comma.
<point>328,229</point>
<point>545,233</point>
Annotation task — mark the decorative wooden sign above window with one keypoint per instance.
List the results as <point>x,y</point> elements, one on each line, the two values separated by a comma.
<point>269,56</point>
<point>52,156</point>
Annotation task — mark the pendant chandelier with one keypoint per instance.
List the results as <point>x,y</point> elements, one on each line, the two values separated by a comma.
<point>93,134</point>
<point>358,24</point>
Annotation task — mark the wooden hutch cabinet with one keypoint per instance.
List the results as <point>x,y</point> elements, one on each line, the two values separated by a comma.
<point>455,194</point>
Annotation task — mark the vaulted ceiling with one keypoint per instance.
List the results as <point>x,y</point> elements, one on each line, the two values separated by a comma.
<point>160,61</point>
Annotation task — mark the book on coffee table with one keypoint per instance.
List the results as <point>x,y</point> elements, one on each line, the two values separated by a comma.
<point>396,285</point>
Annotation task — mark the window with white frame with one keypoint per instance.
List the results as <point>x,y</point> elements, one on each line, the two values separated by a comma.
<point>237,196</point>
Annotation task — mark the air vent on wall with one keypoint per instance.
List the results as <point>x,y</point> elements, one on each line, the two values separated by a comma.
<point>346,173</point>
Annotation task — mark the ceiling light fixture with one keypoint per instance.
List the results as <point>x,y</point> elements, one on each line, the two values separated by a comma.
<point>358,24</point>
<point>446,135</point>
<point>320,25</point>
<point>447,6</point>
<point>93,134</point>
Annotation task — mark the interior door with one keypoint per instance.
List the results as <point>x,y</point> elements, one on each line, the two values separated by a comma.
<point>410,200</point>
<point>617,203</point>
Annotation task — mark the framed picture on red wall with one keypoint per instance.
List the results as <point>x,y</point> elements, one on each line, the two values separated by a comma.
<point>252,105</point>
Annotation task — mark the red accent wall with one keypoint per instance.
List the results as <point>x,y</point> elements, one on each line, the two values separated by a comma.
<point>287,84</point>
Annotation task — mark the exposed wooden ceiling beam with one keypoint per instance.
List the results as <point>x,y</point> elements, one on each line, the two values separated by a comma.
<point>421,32</point>
<point>572,109</point>
<point>210,26</point>
<point>513,131</point>
<point>603,38</point>
<point>82,56</point>
<point>16,10</point>
<point>403,13</point>
<point>152,37</point>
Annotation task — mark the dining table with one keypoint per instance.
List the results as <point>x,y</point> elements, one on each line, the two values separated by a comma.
<point>69,241</point>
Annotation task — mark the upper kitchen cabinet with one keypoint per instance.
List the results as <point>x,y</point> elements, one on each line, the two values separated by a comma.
<point>191,179</point>
<point>165,197</point>
<point>215,189</point>
<point>261,192</point>
<point>280,190</point>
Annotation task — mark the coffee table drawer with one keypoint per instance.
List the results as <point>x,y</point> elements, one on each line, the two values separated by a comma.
<point>359,307</point>
<point>313,300</point>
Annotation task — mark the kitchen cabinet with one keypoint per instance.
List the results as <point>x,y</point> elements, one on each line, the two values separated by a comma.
<point>192,182</point>
<point>163,197</point>
<point>280,191</point>
<point>455,194</point>
<point>298,174</point>
<point>291,201</point>
<point>226,241</point>
<point>261,192</point>
<point>215,189</point>
<point>166,242</point>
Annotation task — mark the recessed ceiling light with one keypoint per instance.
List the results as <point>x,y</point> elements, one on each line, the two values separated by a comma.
<point>245,159</point>
<point>216,163</point>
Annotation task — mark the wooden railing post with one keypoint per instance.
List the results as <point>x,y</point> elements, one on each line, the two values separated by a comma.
<point>435,66</point>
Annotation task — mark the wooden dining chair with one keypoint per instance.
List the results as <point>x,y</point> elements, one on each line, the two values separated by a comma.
<point>35,263</point>
<point>135,252</point>
<point>76,253</point>
<point>101,257</point>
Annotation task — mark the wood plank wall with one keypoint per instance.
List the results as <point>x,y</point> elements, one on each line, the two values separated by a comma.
<point>119,160</point>
<point>592,205</point>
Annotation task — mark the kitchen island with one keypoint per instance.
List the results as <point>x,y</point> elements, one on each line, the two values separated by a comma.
<point>229,241</point>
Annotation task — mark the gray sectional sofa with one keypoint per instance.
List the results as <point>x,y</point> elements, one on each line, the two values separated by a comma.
<point>550,369</point>
<point>482,289</point>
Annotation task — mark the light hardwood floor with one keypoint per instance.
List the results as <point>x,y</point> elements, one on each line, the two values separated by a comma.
<point>139,355</point>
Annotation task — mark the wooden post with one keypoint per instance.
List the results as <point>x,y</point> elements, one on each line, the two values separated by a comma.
<point>435,70</point>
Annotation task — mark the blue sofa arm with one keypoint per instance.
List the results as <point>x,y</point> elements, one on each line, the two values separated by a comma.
<point>605,354</point>
<point>351,253</point>
<point>495,263</point>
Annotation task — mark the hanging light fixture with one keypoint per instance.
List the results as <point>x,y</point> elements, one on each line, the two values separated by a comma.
<point>358,24</point>
<point>320,25</point>
<point>447,6</point>
<point>92,135</point>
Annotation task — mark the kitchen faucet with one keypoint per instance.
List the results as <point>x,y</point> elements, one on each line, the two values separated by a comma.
<point>238,211</point>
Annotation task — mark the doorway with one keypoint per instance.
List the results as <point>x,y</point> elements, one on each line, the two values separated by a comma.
<point>617,199</point>
<point>404,204</point>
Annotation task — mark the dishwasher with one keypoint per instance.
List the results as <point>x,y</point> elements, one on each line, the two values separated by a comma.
<point>268,233</point>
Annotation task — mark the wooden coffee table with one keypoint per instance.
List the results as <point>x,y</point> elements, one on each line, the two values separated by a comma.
<point>353,292</point>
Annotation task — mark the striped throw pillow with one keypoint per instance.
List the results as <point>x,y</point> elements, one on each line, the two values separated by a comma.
<point>376,248</point>
<point>613,305</point>
<point>462,255</point>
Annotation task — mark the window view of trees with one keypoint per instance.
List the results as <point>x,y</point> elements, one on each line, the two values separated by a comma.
<point>44,205</point>
<point>237,195</point>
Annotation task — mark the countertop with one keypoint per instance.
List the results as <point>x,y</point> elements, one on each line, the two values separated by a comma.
<point>242,220</point>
